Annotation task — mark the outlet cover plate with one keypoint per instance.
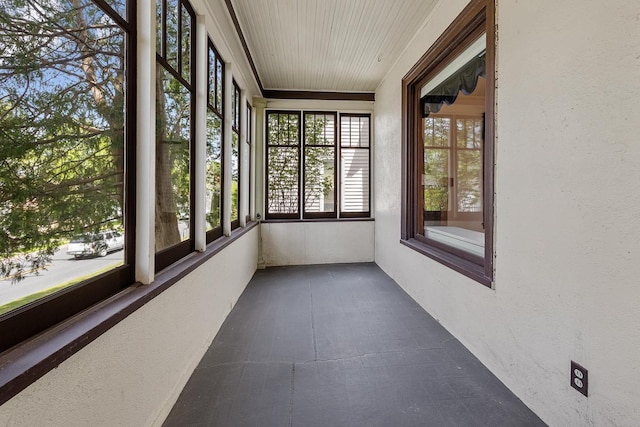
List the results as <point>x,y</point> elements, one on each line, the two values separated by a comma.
<point>579,378</point>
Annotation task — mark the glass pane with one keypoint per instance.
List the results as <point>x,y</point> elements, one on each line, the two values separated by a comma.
<point>436,131</point>
<point>172,33</point>
<point>211,90</point>
<point>172,160</point>
<point>159,26</point>
<point>62,147</point>
<point>452,182</point>
<point>235,177</point>
<point>436,181</point>
<point>119,6</point>
<point>219,86</point>
<point>319,129</point>
<point>248,125</point>
<point>213,183</point>
<point>283,129</point>
<point>235,108</point>
<point>354,131</point>
<point>469,132</point>
<point>319,179</point>
<point>469,187</point>
<point>283,180</point>
<point>354,175</point>
<point>186,44</point>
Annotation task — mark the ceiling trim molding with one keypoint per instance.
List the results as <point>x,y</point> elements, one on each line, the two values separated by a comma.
<point>243,41</point>
<point>331,96</point>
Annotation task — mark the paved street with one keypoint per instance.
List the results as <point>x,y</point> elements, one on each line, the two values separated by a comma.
<point>62,268</point>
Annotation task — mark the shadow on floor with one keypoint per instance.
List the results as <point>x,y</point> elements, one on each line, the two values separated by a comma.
<point>339,345</point>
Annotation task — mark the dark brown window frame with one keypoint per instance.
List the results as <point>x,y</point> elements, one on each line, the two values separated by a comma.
<point>337,215</point>
<point>218,110</point>
<point>477,18</point>
<point>33,318</point>
<point>303,171</point>
<point>268,215</point>
<point>362,214</point>
<point>236,116</point>
<point>168,256</point>
<point>249,143</point>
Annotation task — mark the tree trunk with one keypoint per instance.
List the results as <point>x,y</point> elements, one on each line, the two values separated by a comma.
<point>112,113</point>
<point>167,232</point>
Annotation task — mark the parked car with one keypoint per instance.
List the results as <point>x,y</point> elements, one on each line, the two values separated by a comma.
<point>99,244</point>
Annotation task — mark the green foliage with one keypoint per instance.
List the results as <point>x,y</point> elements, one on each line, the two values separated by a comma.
<point>461,162</point>
<point>61,128</point>
<point>213,181</point>
<point>283,160</point>
<point>319,163</point>
<point>235,177</point>
<point>173,130</point>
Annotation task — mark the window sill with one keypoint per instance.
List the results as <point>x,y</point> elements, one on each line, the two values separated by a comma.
<point>283,220</point>
<point>461,265</point>
<point>25,363</point>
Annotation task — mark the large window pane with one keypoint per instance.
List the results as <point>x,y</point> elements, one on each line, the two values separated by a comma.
<point>354,165</point>
<point>355,180</point>
<point>213,182</point>
<point>235,177</point>
<point>319,179</point>
<point>319,164</point>
<point>214,186</point>
<point>62,147</point>
<point>173,122</point>
<point>283,163</point>
<point>283,180</point>
<point>452,182</point>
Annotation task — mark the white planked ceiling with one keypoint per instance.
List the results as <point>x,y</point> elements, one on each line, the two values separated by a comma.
<point>328,45</point>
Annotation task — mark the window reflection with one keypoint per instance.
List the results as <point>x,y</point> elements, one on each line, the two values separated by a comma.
<point>453,105</point>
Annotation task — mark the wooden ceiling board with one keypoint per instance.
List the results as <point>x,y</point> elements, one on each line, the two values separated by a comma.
<point>327,45</point>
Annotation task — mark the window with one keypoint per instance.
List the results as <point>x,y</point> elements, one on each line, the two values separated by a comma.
<point>319,165</point>
<point>354,165</point>
<point>249,143</point>
<point>235,157</point>
<point>283,164</point>
<point>448,147</point>
<point>175,142</point>
<point>302,161</point>
<point>68,153</point>
<point>214,190</point>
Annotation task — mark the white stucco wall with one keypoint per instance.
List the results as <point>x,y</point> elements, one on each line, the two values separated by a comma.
<point>567,209</point>
<point>133,374</point>
<point>297,243</point>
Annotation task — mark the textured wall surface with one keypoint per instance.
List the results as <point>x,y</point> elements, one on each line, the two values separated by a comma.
<point>567,226</point>
<point>297,243</point>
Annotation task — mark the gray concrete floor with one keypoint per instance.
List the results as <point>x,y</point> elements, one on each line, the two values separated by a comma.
<point>339,345</point>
